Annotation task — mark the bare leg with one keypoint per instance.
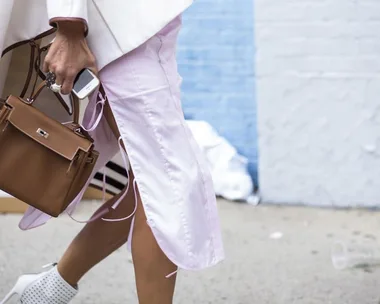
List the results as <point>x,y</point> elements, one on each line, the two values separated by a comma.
<point>96,241</point>
<point>151,264</point>
<point>99,239</point>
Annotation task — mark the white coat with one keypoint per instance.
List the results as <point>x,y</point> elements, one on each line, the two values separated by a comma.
<point>115,26</point>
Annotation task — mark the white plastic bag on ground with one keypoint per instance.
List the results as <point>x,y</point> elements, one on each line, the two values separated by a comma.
<point>229,169</point>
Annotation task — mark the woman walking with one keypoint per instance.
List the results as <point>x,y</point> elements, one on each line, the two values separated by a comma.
<point>169,211</point>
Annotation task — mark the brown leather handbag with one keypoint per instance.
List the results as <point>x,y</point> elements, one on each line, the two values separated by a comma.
<point>43,162</point>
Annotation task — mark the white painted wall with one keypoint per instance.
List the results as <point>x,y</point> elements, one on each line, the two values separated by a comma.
<point>318,94</point>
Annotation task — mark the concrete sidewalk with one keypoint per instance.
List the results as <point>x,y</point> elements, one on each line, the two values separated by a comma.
<point>293,269</point>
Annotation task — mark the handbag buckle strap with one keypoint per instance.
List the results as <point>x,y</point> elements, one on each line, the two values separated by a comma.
<point>5,110</point>
<point>90,160</point>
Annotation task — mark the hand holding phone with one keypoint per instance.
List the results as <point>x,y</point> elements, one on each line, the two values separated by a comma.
<point>85,83</point>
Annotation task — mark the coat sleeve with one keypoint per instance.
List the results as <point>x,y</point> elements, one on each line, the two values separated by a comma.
<point>75,10</point>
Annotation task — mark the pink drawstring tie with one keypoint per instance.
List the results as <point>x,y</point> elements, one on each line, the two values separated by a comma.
<point>94,122</point>
<point>117,203</point>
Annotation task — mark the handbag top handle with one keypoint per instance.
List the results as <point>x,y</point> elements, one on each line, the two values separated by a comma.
<point>35,65</point>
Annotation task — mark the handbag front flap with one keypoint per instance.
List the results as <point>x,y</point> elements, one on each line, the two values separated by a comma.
<point>45,130</point>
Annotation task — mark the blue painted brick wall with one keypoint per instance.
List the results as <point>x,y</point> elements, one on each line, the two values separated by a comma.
<point>216,60</point>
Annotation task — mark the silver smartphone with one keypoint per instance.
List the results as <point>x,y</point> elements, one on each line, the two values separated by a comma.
<point>85,83</point>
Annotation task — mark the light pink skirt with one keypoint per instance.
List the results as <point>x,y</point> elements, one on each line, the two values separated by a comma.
<point>143,89</point>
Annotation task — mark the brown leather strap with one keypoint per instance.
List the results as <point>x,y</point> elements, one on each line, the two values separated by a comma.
<point>76,108</point>
<point>75,100</point>
<point>35,65</point>
<point>102,91</point>
<point>20,43</point>
<point>30,71</point>
<point>36,92</point>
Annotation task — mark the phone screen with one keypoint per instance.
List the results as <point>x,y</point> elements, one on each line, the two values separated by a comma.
<point>83,79</point>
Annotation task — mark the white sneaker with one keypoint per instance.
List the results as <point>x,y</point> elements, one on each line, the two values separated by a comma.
<point>44,288</point>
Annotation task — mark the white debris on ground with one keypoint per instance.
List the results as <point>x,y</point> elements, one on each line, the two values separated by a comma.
<point>228,168</point>
<point>276,235</point>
